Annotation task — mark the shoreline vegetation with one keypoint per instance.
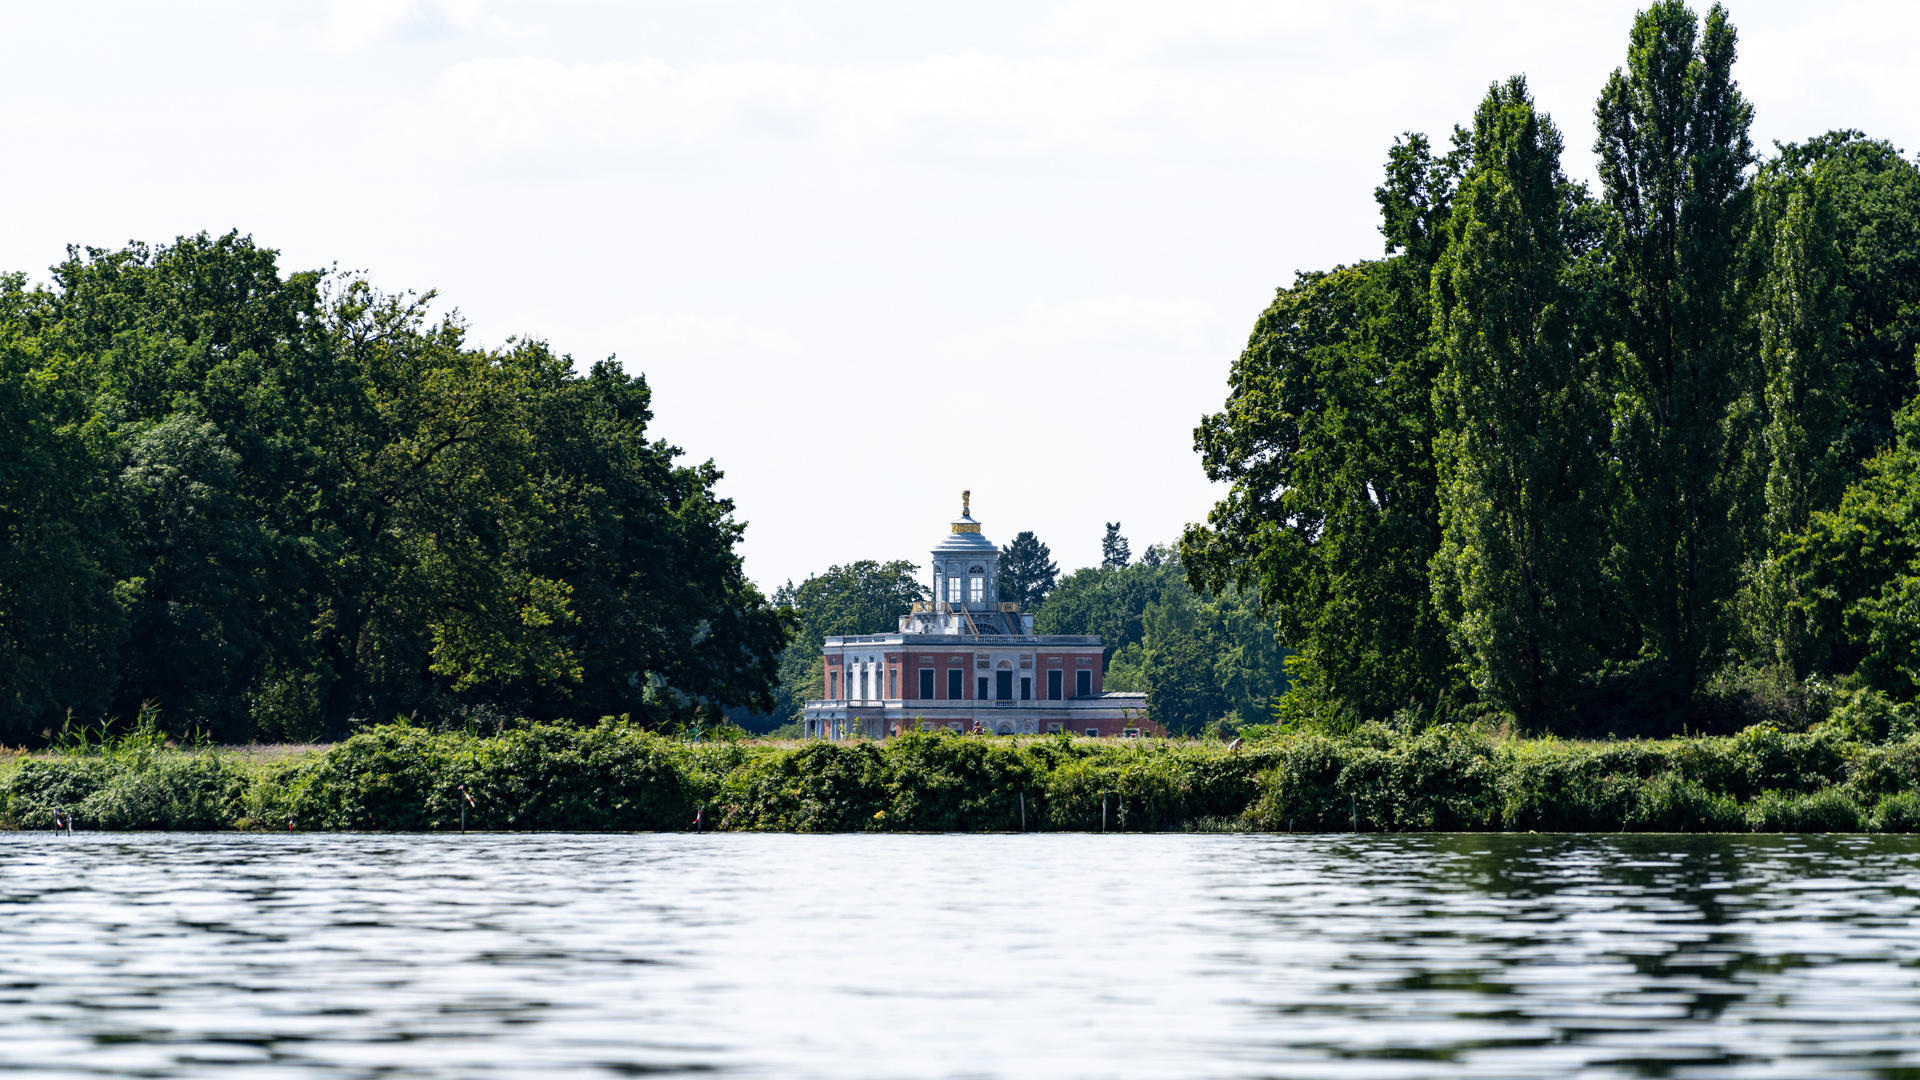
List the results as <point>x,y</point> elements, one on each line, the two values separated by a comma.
<point>1859,771</point>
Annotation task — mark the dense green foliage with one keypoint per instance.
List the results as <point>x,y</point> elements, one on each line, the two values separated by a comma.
<point>1638,461</point>
<point>1027,572</point>
<point>864,597</point>
<point>270,504</point>
<point>1860,770</point>
<point>1199,657</point>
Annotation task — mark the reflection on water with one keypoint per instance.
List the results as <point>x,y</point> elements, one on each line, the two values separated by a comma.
<point>960,956</point>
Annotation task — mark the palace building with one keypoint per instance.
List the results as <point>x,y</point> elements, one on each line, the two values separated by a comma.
<point>965,660</point>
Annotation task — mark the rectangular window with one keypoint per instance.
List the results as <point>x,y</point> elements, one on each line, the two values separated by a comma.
<point>893,682</point>
<point>1053,685</point>
<point>977,585</point>
<point>953,590</point>
<point>1004,691</point>
<point>1053,729</point>
<point>982,695</point>
<point>1093,733</point>
<point>954,675</point>
<point>1026,688</point>
<point>833,685</point>
<point>926,683</point>
<point>1082,683</point>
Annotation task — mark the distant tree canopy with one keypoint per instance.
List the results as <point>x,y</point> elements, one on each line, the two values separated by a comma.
<point>1585,460</point>
<point>865,597</point>
<point>1198,657</point>
<point>1027,571</point>
<point>271,503</point>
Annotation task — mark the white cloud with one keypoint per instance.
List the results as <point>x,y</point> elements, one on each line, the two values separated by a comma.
<point>352,24</point>
<point>966,104</point>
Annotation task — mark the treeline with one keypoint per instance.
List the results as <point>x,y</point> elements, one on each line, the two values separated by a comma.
<point>260,505</point>
<point>1857,774</point>
<point>1636,460</point>
<point>1201,658</point>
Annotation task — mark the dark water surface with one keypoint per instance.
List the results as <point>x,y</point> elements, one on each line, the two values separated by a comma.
<point>960,956</point>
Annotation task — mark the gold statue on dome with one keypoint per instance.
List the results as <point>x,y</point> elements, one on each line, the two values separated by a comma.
<point>966,504</point>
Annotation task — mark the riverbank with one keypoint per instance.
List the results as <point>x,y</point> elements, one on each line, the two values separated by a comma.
<point>615,778</point>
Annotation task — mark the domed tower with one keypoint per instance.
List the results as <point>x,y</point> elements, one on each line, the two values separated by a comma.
<point>966,566</point>
<point>965,578</point>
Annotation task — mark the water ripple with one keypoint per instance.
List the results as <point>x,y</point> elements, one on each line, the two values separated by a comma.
<point>960,956</point>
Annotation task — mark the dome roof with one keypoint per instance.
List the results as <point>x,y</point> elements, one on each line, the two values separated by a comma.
<point>965,539</point>
<point>963,536</point>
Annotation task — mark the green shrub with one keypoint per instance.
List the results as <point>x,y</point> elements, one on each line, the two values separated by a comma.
<point>1897,813</point>
<point>1672,803</point>
<point>1870,716</point>
<point>197,793</point>
<point>821,787</point>
<point>1551,787</point>
<point>1443,777</point>
<point>1830,810</point>
<point>39,788</point>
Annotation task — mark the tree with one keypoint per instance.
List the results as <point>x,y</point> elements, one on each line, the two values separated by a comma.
<point>1523,424</point>
<point>316,503</point>
<point>1182,694</point>
<point>647,553</point>
<point>1872,194</point>
<point>1331,518</point>
<point>864,597</point>
<point>1027,572</point>
<point>1108,602</point>
<point>60,623</point>
<point>1114,553</point>
<point>1856,571</point>
<point>1673,149</point>
<point>1332,515</point>
<point>1199,657</point>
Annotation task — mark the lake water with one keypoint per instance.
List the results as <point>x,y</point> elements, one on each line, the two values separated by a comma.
<point>959,956</point>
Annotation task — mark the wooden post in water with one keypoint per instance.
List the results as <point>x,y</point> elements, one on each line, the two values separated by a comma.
<point>1103,811</point>
<point>1023,811</point>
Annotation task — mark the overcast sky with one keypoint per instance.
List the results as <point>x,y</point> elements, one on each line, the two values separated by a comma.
<point>867,254</point>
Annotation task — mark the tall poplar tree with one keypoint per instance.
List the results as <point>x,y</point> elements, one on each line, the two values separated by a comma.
<point>1673,149</point>
<point>1520,451</point>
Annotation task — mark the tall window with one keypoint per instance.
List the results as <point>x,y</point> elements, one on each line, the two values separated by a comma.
<point>976,588</point>
<point>953,590</point>
<point>954,691</point>
<point>983,694</point>
<point>1053,685</point>
<point>893,677</point>
<point>833,684</point>
<point>1083,683</point>
<point>926,683</point>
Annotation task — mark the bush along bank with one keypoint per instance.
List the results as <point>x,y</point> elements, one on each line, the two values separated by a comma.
<point>618,778</point>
